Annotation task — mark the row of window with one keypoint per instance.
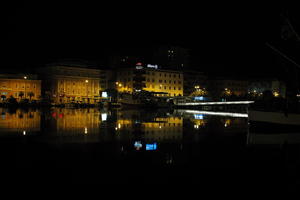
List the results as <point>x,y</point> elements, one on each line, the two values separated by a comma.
<point>164,74</point>
<point>163,87</point>
<point>17,86</point>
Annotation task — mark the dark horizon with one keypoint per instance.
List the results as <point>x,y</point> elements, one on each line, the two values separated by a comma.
<point>230,37</point>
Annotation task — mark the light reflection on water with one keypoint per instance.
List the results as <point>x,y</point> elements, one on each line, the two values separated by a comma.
<point>117,125</point>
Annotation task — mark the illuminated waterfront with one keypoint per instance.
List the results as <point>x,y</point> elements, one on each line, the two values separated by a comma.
<point>119,146</point>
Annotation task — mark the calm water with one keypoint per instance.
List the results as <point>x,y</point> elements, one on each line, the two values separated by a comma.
<point>142,146</point>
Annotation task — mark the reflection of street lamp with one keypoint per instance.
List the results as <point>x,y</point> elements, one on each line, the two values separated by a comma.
<point>87,96</point>
<point>25,77</point>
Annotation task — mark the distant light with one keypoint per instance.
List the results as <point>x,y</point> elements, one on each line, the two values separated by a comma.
<point>104,94</point>
<point>226,88</point>
<point>119,125</point>
<point>196,126</point>
<point>25,77</point>
<point>103,116</point>
<point>120,84</point>
<point>116,128</point>
<point>225,125</point>
<point>159,126</point>
<point>24,132</point>
<point>85,130</point>
<point>276,94</point>
<point>117,83</point>
<point>86,81</point>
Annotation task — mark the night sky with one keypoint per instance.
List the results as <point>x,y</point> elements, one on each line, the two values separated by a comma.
<point>230,37</point>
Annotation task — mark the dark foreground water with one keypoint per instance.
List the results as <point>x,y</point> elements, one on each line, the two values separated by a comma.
<point>143,146</point>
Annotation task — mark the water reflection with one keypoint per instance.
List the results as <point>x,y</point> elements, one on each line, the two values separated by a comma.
<point>65,121</point>
<point>137,127</point>
<point>153,126</point>
<point>19,121</point>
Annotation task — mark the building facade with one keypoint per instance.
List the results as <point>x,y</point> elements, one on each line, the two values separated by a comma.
<point>20,86</point>
<point>67,84</point>
<point>163,82</point>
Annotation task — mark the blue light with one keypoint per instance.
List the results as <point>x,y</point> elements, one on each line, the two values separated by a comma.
<point>151,147</point>
<point>138,145</point>
<point>198,116</point>
<point>200,98</point>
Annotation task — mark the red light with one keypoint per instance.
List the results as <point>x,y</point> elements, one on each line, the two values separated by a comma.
<point>61,115</point>
<point>139,64</point>
<point>54,114</point>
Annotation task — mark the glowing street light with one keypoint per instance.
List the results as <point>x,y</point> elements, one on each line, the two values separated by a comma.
<point>25,77</point>
<point>86,81</point>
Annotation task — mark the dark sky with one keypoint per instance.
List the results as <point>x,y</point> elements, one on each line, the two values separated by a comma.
<point>231,35</point>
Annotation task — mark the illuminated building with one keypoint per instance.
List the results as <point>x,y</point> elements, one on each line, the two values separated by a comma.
<point>20,86</point>
<point>150,78</point>
<point>19,122</point>
<point>65,83</point>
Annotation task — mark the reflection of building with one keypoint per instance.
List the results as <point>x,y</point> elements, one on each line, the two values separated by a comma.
<point>76,121</point>
<point>157,129</point>
<point>257,87</point>
<point>19,121</point>
<point>65,83</point>
<point>150,79</point>
<point>20,86</point>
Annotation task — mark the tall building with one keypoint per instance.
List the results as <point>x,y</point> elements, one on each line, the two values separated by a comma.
<point>20,86</point>
<point>64,83</point>
<point>172,57</point>
<point>150,78</point>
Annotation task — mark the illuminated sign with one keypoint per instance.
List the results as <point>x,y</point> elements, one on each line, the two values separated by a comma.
<point>103,116</point>
<point>139,66</point>
<point>151,147</point>
<point>138,145</point>
<point>201,98</point>
<point>198,116</point>
<point>104,94</point>
<point>152,66</point>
